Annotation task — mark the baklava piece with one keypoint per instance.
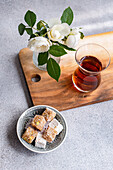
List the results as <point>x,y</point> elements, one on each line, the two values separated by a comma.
<point>40,142</point>
<point>49,134</point>
<point>38,122</point>
<point>49,114</point>
<point>29,135</point>
<point>56,125</point>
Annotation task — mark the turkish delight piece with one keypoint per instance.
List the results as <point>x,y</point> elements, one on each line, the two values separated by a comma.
<point>40,142</point>
<point>49,114</point>
<point>55,124</point>
<point>38,122</point>
<point>29,135</point>
<point>49,134</point>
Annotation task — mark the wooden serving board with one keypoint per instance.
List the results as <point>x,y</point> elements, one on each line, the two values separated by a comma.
<point>63,95</point>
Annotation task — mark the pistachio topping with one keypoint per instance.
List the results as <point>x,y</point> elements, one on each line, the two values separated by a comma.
<point>37,123</point>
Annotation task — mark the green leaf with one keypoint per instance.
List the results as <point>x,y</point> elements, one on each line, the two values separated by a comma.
<point>30,18</point>
<point>45,23</point>
<point>32,36</point>
<point>66,47</point>
<point>43,31</point>
<point>21,29</point>
<point>42,58</point>
<point>81,35</point>
<point>29,31</point>
<point>57,50</point>
<point>36,34</point>
<point>53,69</point>
<point>67,16</point>
<point>40,25</point>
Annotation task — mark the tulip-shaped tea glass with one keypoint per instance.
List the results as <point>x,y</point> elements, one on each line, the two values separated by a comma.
<point>91,60</point>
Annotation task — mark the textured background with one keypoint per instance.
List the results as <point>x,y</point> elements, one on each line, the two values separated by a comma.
<point>89,144</point>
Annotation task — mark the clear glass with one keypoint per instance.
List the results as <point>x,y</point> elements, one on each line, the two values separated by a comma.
<point>43,67</point>
<point>91,60</point>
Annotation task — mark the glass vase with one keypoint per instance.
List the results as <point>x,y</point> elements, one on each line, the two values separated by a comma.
<point>43,67</point>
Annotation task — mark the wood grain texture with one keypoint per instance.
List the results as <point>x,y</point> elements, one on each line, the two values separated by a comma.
<point>63,95</point>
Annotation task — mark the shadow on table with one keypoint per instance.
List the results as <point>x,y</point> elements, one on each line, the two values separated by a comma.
<point>14,141</point>
<point>11,128</point>
<point>23,81</point>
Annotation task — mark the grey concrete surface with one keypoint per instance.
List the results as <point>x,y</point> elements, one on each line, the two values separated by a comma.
<point>89,144</point>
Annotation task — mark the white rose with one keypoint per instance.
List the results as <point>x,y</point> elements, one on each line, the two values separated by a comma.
<point>39,44</point>
<point>73,38</point>
<point>54,21</point>
<point>75,31</point>
<point>72,41</point>
<point>57,32</point>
